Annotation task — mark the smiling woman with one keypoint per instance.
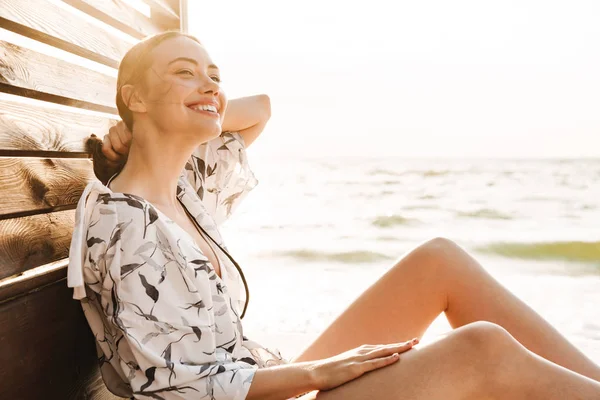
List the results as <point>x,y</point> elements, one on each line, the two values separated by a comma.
<point>164,297</point>
<point>166,305</point>
<point>152,253</point>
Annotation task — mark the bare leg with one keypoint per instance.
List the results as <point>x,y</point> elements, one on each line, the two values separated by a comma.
<point>479,361</point>
<point>436,277</point>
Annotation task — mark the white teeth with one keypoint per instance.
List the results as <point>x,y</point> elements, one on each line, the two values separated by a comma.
<point>204,107</point>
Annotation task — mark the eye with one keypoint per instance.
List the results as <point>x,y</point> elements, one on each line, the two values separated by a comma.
<point>185,70</point>
<point>216,78</point>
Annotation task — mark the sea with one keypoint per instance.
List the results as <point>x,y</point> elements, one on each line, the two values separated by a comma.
<point>316,232</point>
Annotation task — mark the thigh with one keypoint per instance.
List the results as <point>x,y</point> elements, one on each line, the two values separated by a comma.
<point>399,306</point>
<point>442,370</point>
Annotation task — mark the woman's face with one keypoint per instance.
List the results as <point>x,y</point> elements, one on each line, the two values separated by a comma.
<point>182,92</point>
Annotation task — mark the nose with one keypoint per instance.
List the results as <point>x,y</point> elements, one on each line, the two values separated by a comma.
<point>209,86</point>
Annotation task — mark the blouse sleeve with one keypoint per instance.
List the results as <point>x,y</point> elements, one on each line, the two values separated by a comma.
<point>219,173</point>
<point>169,328</point>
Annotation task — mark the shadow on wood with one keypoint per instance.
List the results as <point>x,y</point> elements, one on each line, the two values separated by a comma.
<point>48,350</point>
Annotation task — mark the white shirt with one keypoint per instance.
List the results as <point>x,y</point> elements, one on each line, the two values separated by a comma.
<point>167,326</point>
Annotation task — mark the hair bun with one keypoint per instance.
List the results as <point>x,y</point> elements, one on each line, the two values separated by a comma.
<point>103,167</point>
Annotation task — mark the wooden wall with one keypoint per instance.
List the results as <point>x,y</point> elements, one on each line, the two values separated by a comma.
<point>58,63</point>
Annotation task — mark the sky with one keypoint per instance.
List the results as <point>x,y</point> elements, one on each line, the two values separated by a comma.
<point>428,78</point>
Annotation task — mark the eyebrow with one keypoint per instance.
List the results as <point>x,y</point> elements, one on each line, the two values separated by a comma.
<point>190,60</point>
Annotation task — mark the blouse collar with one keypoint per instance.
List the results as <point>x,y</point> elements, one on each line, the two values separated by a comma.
<point>78,248</point>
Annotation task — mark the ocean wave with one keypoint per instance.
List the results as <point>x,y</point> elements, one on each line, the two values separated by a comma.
<point>387,239</point>
<point>379,171</point>
<point>386,221</point>
<point>377,195</point>
<point>570,251</point>
<point>483,213</point>
<point>423,173</point>
<point>540,198</point>
<point>431,173</point>
<point>421,207</point>
<point>352,257</point>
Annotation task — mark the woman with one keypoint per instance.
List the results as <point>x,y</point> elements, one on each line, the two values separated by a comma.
<point>164,297</point>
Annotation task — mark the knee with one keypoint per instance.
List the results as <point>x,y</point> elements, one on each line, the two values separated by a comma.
<point>439,247</point>
<point>433,261</point>
<point>490,349</point>
<point>484,338</point>
<point>433,253</point>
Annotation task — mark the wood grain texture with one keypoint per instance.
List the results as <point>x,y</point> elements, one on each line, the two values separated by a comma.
<point>34,184</point>
<point>33,74</point>
<point>120,15</point>
<point>27,129</point>
<point>48,350</point>
<point>53,25</point>
<point>29,242</point>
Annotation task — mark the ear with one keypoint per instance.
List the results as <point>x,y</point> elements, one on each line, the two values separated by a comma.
<point>132,98</point>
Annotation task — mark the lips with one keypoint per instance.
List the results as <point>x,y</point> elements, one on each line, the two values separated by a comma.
<point>207,106</point>
<point>204,107</point>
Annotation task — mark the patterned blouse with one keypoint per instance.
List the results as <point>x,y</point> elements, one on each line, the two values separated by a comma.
<point>166,325</point>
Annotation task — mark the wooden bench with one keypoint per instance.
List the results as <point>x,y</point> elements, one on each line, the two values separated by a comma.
<point>57,86</point>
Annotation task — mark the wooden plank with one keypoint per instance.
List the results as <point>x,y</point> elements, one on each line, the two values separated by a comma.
<point>174,4</point>
<point>34,185</point>
<point>30,129</point>
<point>33,280</point>
<point>170,7</point>
<point>165,10</point>
<point>184,16</point>
<point>29,242</point>
<point>48,23</point>
<point>32,74</point>
<point>118,14</point>
<point>48,350</point>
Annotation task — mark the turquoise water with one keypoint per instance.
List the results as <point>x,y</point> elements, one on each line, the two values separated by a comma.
<point>324,229</point>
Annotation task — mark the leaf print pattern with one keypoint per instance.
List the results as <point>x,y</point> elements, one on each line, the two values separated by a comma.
<point>167,326</point>
<point>150,375</point>
<point>219,173</point>
<point>198,305</point>
<point>129,268</point>
<point>150,290</point>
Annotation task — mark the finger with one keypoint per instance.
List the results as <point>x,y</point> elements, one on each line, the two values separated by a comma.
<point>412,342</point>
<point>107,150</point>
<point>381,362</point>
<point>386,350</point>
<point>116,143</point>
<point>366,348</point>
<point>124,133</point>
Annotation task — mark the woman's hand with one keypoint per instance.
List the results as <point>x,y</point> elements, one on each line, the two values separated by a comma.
<point>115,145</point>
<point>332,372</point>
<point>287,380</point>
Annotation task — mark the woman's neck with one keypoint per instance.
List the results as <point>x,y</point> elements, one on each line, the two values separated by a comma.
<point>153,167</point>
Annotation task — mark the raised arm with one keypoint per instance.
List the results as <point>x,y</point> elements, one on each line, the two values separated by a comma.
<point>248,116</point>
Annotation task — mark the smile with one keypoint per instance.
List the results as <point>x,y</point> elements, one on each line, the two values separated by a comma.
<point>204,107</point>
